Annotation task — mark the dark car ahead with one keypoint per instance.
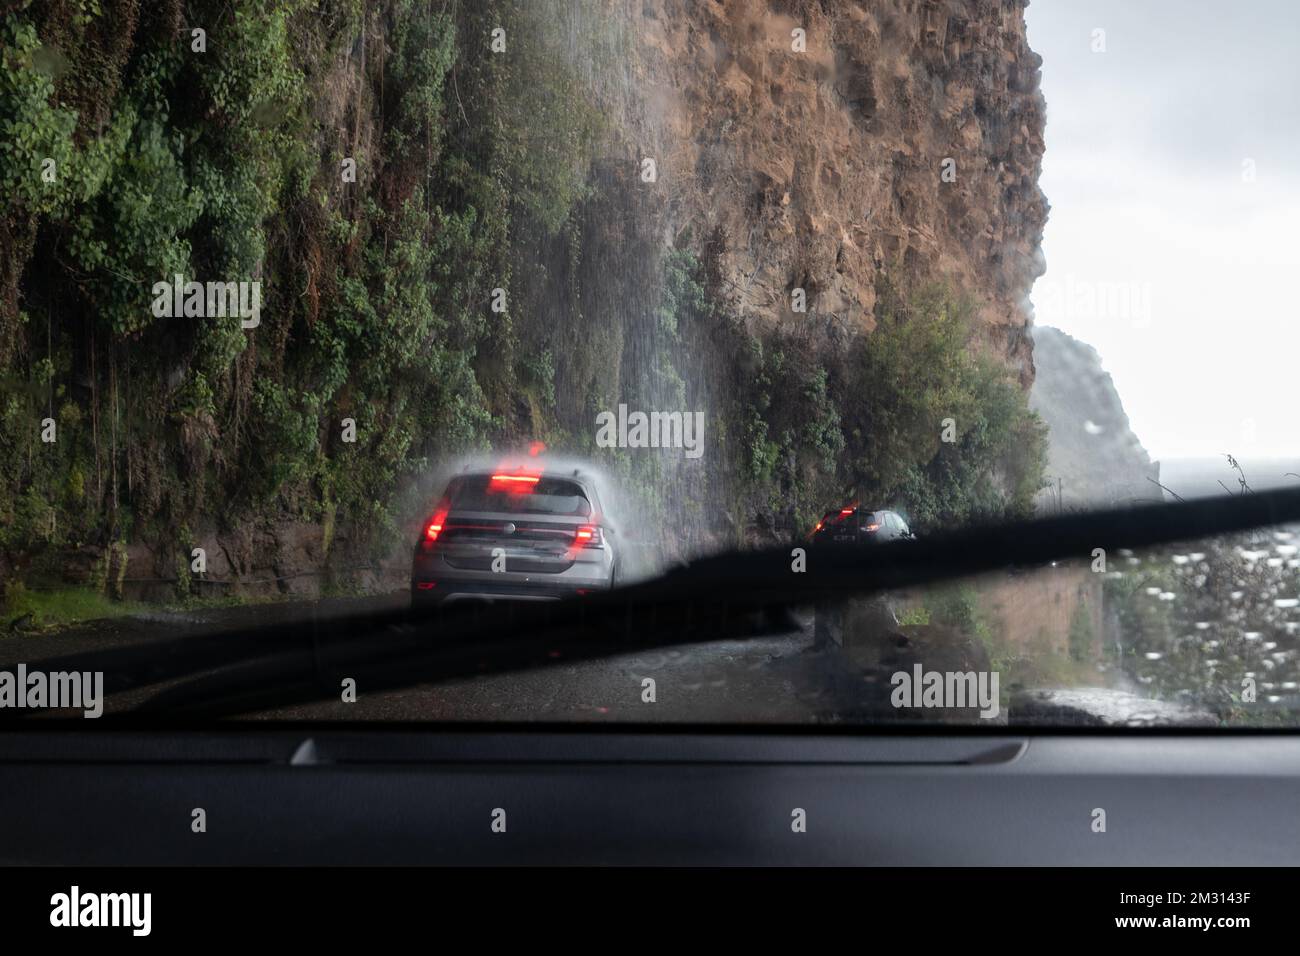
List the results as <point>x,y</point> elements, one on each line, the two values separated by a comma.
<point>514,534</point>
<point>858,525</point>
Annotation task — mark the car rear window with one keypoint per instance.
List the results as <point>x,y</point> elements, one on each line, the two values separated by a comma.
<point>549,496</point>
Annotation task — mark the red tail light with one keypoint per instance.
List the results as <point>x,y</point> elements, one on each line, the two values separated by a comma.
<point>872,527</point>
<point>587,536</point>
<point>434,527</point>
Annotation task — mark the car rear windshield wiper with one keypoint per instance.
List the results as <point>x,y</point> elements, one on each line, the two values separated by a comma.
<point>727,596</point>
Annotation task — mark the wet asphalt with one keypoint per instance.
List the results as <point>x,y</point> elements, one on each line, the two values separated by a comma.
<point>763,680</point>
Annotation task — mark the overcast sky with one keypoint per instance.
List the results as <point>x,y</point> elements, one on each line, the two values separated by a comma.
<point>1180,272</point>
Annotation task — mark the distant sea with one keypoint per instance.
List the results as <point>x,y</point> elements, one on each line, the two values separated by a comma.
<point>1199,477</point>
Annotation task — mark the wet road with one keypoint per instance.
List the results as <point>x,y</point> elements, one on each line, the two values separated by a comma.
<point>750,681</point>
<point>768,680</point>
<point>780,679</point>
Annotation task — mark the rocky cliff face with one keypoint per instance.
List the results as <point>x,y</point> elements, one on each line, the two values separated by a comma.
<point>1091,449</point>
<point>905,140</point>
<point>821,145</point>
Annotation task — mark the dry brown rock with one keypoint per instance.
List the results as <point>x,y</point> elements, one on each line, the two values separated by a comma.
<point>823,168</point>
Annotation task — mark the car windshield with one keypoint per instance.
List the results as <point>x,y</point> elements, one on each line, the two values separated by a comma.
<point>665,362</point>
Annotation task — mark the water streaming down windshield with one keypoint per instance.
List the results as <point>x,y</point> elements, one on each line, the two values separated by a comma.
<point>744,267</point>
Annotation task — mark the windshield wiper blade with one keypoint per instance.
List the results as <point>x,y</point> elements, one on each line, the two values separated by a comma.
<point>721,597</point>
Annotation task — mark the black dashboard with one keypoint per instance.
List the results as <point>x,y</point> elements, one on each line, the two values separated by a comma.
<point>306,795</point>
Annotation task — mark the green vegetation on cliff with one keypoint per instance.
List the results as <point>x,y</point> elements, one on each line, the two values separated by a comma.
<point>229,163</point>
<point>912,416</point>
